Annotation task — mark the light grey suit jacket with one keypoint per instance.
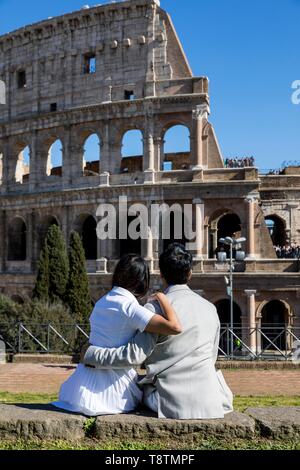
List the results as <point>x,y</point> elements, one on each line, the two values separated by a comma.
<point>180,368</point>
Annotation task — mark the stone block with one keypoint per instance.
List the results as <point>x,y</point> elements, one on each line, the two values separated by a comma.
<point>278,423</point>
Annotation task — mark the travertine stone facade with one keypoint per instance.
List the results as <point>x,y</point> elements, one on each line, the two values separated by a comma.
<point>107,70</point>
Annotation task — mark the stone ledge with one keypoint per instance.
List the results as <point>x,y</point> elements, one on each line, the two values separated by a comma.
<point>39,422</point>
<point>277,423</point>
<point>45,422</point>
<point>137,426</point>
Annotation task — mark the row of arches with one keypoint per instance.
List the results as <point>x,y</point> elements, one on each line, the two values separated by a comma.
<point>226,225</point>
<point>17,236</point>
<point>86,226</point>
<point>176,149</point>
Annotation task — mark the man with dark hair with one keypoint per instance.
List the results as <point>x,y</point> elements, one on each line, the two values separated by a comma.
<point>181,381</point>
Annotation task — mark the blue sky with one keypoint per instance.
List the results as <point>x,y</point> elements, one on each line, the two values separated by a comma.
<point>248,49</point>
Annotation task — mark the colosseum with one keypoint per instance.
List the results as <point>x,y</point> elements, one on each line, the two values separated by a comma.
<point>105,72</point>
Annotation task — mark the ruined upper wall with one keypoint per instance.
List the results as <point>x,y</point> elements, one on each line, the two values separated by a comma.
<point>133,43</point>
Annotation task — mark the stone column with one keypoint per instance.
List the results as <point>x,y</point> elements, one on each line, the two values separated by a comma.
<point>200,115</point>
<point>252,319</point>
<point>3,235</point>
<point>158,153</point>
<point>199,228</point>
<point>5,158</point>
<point>251,201</point>
<point>148,140</point>
<point>214,235</point>
<point>147,249</point>
<point>33,163</point>
<point>105,150</point>
<point>74,163</point>
<point>102,256</point>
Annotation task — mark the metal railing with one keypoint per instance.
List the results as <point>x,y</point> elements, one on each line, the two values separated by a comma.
<point>43,338</point>
<point>259,343</point>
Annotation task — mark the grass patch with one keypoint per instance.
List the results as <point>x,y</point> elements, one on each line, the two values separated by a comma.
<point>42,398</point>
<point>162,444</point>
<point>240,403</point>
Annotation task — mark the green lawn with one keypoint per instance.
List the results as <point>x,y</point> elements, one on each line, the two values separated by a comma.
<point>207,444</point>
<point>241,403</point>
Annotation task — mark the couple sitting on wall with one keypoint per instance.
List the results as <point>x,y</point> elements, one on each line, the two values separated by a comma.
<point>176,335</point>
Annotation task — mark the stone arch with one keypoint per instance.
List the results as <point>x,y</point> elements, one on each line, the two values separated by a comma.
<point>17,240</point>
<point>128,245</point>
<point>275,315</point>
<point>132,151</point>
<point>23,165</point>
<point>223,223</point>
<point>86,226</point>
<point>90,141</point>
<point>176,147</point>
<point>55,151</point>
<point>277,229</point>
<point>19,166</point>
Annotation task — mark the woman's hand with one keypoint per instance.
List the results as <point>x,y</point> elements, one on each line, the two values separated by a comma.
<point>169,325</point>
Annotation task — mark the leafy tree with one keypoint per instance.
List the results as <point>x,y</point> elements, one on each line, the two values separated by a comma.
<point>78,293</point>
<point>58,264</point>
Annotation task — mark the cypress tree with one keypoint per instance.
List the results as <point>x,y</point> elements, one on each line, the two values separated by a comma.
<point>78,293</point>
<point>41,288</point>
<point>58,264</point>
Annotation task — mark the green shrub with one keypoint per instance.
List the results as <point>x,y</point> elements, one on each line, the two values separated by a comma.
<point>36,317</point>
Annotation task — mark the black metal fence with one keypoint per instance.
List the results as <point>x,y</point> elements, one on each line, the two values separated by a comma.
<point>259,343</point>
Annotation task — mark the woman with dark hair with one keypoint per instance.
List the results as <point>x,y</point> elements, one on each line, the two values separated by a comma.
<point>115,320</point>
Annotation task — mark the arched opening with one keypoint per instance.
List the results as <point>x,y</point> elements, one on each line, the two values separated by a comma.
<point>229,225</point>
<point>274,320</point>
<point>223,309</point>
<point>17,240</point>
<point>277,230</point>
<point>44,226</point>
<point>173,226</point>
<point>89,238</point>
<point>23,166</point>
<point>55,159</point>
<point>130,246</point>
<point>91,156</point>
<point>132,152</point>
<point>177,148</point>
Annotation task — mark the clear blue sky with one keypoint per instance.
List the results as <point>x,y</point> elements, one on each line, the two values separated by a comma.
<point>249,49</point>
